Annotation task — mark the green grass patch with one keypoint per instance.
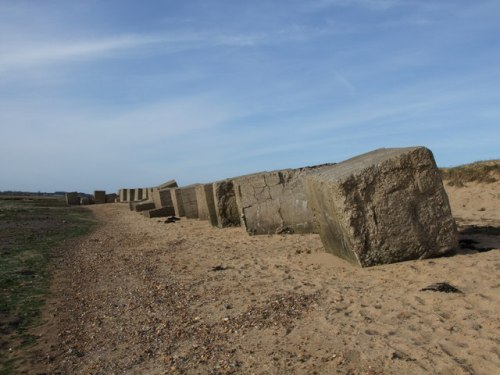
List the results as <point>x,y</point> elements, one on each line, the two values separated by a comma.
<point>482,171</point>
<point>30,231</point>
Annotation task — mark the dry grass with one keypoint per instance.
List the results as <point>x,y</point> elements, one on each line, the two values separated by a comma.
<point>481,171</point>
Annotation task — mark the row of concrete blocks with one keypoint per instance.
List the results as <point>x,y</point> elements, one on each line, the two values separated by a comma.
<point>99,197</point>
<point>133,195</point>
<point>385,206</point>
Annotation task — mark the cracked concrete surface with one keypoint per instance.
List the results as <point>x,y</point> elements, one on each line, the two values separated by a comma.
<point>271,202</point>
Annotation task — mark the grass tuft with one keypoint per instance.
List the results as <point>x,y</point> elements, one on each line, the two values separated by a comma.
<point>481,171</point>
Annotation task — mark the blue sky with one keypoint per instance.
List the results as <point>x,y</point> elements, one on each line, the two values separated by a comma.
<point>110,94</point>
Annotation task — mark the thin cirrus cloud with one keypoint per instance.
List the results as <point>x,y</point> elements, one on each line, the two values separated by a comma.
<point>28,53</point>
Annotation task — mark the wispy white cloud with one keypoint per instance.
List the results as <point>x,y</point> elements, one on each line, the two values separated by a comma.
<point>32,53</point>
<point>369,4</point>
<point>22,52</point>
<point>38,53</point>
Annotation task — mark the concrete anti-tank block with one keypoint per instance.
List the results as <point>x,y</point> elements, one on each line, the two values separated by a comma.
<point>168,184</point>
<point>275,202</point>
<point>226,208</point>
<point>386,206</point>
<point>131,195</point>
<point>162,197</point>
<point>111,198</point>
<point>143,206</point>
<point>138,194</point>
<point>84,201</point>
<point>189,201</point>
<point>176,196</point>
<point>205,201</point>
<point>72,198</point>
<point>159,212</point>
<point>99,196</point>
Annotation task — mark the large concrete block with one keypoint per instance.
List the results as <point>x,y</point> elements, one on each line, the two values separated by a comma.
<point>159,212</point>
<point>176,196</point>
<point>131,195</point>
<point>162,197</point>
<point>386,206</point>
<point>205,201</point>
<point>226,208</point>
<point>275,202</point>
<point>189,201</point>
<point>84,201</point>
<point>122,193</point>
<point>111,198</point>
<point>99,196</point>
<point>138,194</point>
<point>72,198</point>
<point>143,206</point>
<point>168,184</point>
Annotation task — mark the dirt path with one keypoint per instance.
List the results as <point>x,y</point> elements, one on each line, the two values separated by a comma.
<point>139,296</point>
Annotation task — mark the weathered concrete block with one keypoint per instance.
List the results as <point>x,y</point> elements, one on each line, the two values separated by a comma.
<point>386,206</point>
<point>162,197</point>
<point>168,184</point>
<point>72,198</point>
<point>131,195</point>
<point>99,196</point>
<point>121,195</point>
<point>133,204</point>
<point>143,206</point>
<point>226,208</point>
<point>189,201</point>
<point>275,202</point>
<point>176,196</point>
<point>159,212</point>
<point>84,201</point>
<point>138,194</point>
<point>205,201</point>
<point>111,198</point>
<point>125,195</point>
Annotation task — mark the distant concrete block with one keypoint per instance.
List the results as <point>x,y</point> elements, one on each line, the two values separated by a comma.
<point>99,196</point>
<point>275,202</point>
<point>131,195</point>
<point>143,206</point>
<point>189,201</point>
<point>111,198</point>
<point>226,208</point>
<point>386,206</point>
<point>138,194</point>
<point>159,212</point>
<point>205,201</point>
<point>122,195</point>
<point>72,198</point>
<point>84,201</point>
<point>176,196</point>
<point>168,184</point>
<point>162,197</point>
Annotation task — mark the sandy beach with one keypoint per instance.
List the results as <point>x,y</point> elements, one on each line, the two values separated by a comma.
<point>141,296</point>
